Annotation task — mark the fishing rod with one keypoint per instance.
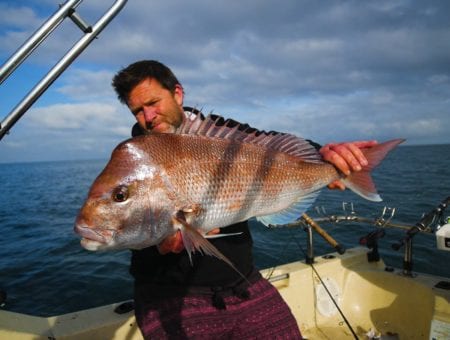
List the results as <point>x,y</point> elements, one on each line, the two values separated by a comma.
<point>308,221</point>
<point>329,239</point>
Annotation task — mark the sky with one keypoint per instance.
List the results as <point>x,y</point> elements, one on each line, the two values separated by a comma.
<point>330,71</point>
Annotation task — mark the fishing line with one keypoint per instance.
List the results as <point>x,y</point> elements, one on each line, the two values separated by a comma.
<point>282,255</point>
<point>326,288</point>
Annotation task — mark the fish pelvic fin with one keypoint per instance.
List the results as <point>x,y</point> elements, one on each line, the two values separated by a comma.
<point>194,241</point>
<point>361,182</point>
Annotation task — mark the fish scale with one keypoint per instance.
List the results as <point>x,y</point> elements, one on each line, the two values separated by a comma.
<point>245,173</point>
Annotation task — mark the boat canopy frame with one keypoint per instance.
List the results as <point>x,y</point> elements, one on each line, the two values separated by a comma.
<point>66,10</point>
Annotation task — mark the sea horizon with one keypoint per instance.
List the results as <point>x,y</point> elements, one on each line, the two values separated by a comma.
<point>403,145</point>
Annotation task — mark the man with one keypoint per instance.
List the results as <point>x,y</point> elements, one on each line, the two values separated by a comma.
<point>208,299</point>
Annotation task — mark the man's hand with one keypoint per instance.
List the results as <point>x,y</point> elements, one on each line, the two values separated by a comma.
<point>174,243</point>
<point>347,157</point>
<point>171,244</point>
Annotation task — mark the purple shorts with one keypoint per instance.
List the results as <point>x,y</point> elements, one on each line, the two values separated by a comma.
<point>261,314</point>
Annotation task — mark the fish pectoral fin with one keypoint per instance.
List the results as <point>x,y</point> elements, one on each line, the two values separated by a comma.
<point>222,235</point>
<point>194,209</point>
<point>193,240</point>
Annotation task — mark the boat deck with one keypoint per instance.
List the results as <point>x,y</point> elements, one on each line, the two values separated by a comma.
<point>374,302</point>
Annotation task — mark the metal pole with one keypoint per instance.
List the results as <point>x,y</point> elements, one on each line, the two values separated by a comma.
<point>407,258</point>
<point>36,39</point>
<point>56,71</point>
<point>309,246</point>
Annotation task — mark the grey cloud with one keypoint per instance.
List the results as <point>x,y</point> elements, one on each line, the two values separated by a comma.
<point>18,17</point>
<point>325,70</point>
<point>86,116</point>
<point>86,85</point>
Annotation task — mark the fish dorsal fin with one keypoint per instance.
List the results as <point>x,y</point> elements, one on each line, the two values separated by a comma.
<point>214,126</point>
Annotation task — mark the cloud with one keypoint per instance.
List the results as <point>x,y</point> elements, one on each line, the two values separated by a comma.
<point>324,70</point>
<point>86,85</point>
<point>422,127</point>
<point>68,131</point>
<point>16,24</point>
<point>85,116</point>
<point>18,17</point>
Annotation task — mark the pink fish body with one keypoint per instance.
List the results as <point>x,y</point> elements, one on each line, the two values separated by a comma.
<point>196,181</point>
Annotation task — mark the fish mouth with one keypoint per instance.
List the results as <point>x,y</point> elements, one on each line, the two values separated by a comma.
<point>94,239</point>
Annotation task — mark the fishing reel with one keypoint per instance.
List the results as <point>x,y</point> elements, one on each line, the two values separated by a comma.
<point>443,236</point>
<point>434,218</point>
<point>442,226</point>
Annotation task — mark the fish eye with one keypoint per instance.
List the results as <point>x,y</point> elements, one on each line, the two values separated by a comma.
<point>120,194</point>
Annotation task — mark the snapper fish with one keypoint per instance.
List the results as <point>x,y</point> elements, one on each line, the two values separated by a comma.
<point>207,175</point>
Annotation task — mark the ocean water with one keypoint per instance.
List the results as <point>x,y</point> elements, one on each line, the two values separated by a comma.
<point>45,272</point>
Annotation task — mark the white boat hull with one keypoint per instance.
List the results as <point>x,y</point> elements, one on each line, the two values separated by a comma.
<point>374,302</point>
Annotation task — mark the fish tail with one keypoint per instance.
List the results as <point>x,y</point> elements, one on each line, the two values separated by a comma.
<point>361,182</point>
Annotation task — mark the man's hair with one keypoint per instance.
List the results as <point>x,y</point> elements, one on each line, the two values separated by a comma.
<point>126,79</point>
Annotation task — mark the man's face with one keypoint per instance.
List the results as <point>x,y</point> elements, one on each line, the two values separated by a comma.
<point>156,108</point>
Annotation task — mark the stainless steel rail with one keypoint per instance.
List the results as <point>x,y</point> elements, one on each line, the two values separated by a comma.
<point>67,10</point>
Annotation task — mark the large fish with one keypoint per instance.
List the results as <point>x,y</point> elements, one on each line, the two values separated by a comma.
<point>207,176</point>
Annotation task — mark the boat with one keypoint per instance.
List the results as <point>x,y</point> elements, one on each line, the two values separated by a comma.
<point>346,294</point>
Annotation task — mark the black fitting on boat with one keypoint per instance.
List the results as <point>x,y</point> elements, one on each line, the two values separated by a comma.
<point>443,285</point>
<point>371,242</point>
<point>2,298</point>
<point>79,21</point>
<point>125,307</point>
<point>340,249</point>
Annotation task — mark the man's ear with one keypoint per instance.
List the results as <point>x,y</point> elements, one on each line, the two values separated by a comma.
<point>178,94</point>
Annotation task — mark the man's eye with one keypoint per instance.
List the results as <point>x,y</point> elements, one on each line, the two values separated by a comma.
<point>120,194</point>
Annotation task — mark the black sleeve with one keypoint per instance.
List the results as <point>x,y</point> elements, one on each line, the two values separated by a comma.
<point>136,130</point>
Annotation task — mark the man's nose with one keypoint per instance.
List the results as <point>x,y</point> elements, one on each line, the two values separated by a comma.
<point>149,114</point>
